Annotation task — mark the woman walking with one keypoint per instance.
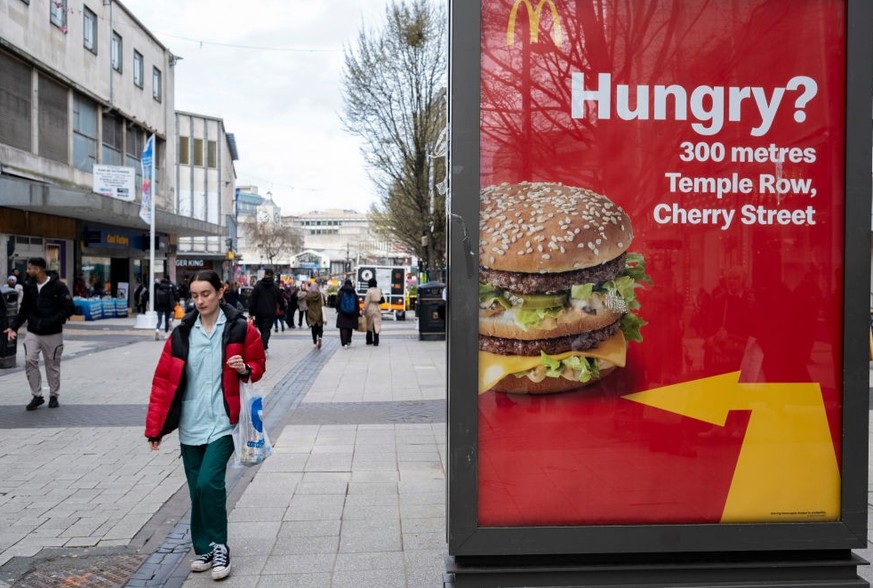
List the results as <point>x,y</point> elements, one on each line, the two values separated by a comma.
<point>347,313</point>
<point>196,388</point>
<point>372,310</point>
<point>314,304</point>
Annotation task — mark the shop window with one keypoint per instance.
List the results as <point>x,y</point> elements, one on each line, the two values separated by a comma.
<point>84,133</point>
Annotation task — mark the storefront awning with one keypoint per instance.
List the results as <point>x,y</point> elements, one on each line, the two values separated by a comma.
<point>34,196</point>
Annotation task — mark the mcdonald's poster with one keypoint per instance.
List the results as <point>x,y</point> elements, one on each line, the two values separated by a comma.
<point>661,260</point>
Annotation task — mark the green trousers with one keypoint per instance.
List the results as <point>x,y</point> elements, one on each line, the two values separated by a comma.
<point>205,468</point>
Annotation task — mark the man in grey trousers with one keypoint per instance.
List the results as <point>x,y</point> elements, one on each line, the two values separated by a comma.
<point>45,306</point>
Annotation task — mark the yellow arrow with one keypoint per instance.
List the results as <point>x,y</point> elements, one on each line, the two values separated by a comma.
<point>787,469</point>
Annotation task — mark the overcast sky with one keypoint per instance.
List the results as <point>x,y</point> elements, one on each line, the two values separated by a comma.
<point>271,69</point>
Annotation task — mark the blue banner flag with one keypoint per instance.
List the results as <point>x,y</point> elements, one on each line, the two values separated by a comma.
<point>147,161</point>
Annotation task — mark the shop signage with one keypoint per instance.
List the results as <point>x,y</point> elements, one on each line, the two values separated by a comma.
<point>190,263</point>
<point>115,181</point>
<point>109,238</point>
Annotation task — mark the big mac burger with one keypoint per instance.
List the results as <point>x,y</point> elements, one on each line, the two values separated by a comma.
<point>557,287</point>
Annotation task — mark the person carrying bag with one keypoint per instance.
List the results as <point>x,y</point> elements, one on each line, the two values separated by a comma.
<point>373,300</point>
<point>196,389</point>
<point>347,313</point>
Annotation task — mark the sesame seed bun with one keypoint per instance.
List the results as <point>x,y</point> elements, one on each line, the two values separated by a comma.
<point>542,227</point>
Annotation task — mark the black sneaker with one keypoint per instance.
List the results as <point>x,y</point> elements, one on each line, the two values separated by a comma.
<point>35,403</point>
<point>202,563</point>
<point>220,561</point>
<point>53,402</point>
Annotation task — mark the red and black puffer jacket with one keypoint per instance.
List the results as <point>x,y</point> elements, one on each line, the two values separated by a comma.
<point>168,384</point>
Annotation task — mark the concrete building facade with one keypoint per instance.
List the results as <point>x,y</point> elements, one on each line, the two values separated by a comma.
<point>205,190</point>
<point>83,82</point>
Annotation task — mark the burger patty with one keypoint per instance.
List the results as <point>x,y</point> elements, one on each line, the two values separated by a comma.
<point>527,283</point>
<point>579,342</point>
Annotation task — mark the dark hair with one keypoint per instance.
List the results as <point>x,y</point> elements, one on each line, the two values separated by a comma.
<point>207,276</point>
<point>36,261</point>
<point>348,282</point>
<point>268,272</point>
<point>371,283</point>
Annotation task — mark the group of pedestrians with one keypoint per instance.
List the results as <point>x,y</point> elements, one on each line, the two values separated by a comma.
<point>273,306</point>
<point>196,388</point>
<point>353,316</point>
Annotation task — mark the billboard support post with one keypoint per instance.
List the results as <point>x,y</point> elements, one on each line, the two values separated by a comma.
<point>665,471</point>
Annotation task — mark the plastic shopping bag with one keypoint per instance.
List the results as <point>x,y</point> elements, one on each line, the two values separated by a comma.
<point>250,439</point>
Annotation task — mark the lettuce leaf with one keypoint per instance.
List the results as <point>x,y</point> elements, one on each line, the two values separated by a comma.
<point>630,326</point>
<point>635,267</point>
<point>532,317</point>
<point>582,291</point>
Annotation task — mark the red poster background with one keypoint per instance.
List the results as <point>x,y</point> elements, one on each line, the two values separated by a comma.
<point>591,456</point>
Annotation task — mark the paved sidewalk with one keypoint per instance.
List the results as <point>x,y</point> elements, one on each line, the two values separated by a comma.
<point>354,494</point>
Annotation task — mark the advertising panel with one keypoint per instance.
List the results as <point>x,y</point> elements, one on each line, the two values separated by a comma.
<point>661,240</point>
<point>115,181</point>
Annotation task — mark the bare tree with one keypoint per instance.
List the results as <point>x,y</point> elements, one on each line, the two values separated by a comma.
<point>273,239</point>
<point>394,86</point>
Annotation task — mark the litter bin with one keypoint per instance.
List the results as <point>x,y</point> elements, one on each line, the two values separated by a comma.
<point>8,308</point>
<point>431,312</point>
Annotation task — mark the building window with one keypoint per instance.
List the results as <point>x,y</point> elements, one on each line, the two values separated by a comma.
<point>84,133</point>
<point>117,49</point>
<point>184,150</point>
<point>137,69</point>
<point>112,140</point>
<point>156,84</point>
<point>89,31</point>
<point>198,152</point>
<point>211,154</point>
<point>134,146</point>
<point>16,94</point>
<point>58,13</point>
<point>53,118</point>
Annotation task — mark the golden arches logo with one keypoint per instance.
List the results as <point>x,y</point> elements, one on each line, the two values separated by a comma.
<point>533,16</point>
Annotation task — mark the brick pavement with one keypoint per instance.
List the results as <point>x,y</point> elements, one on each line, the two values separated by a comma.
<point>354,495</point>
<point>77,484</point>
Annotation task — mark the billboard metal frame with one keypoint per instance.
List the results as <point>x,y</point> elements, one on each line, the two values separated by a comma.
<point>466,539</point>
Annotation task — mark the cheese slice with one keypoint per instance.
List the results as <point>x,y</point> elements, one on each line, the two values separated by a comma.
<point>494,367</point>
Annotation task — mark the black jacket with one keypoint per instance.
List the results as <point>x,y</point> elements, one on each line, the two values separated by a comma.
<point>344,321</point>
<point>168,301</point>
<point>265,297</point>
<point>46,310</point>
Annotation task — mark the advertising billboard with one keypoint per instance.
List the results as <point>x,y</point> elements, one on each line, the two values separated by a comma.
<point>662,205</point>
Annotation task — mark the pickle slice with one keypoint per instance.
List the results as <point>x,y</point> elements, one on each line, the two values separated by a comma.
<point>541,300</point>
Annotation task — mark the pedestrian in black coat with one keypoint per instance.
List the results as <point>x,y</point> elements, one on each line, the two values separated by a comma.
<point>346,323</point>
<point>265,300</point>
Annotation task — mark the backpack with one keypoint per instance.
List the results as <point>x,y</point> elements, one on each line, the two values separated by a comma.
<point>348,303</point>
<point>162,296</point>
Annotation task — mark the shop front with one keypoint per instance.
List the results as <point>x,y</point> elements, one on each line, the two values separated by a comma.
<point>186,267</point>
<point>114,260</point>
